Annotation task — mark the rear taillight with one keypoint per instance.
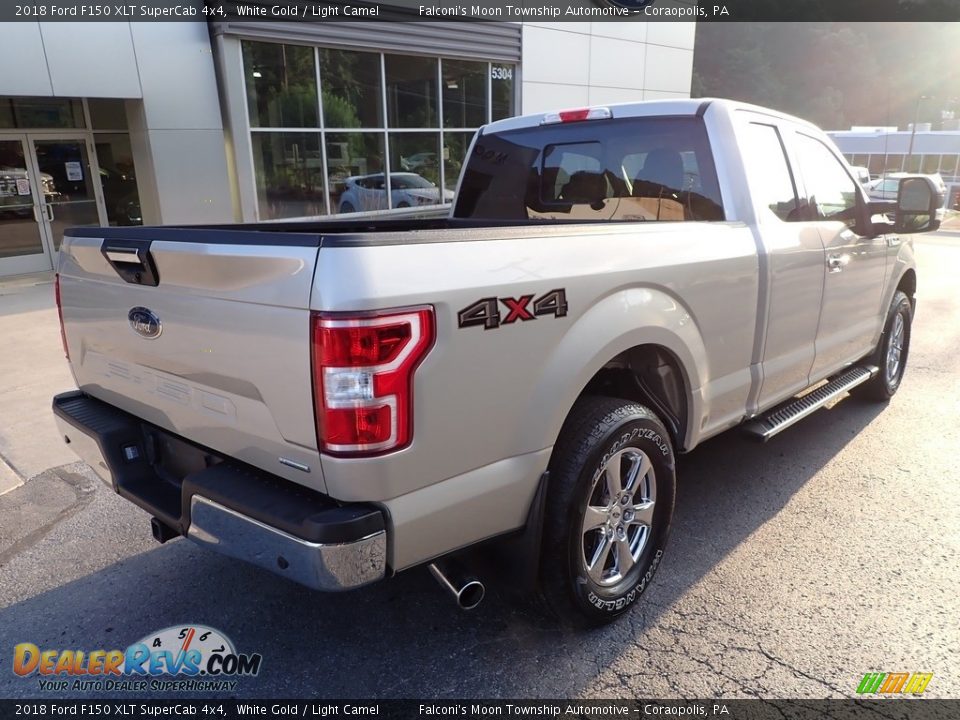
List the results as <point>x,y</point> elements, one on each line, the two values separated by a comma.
<point>63,334</point>
<point>363,368</point>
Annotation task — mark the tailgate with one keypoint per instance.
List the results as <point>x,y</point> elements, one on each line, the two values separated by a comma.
<point>217,350</point>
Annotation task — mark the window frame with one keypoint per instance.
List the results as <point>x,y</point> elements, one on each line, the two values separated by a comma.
<point>793,170</point>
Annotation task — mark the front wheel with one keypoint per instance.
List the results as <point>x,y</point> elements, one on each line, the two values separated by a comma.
<point>608,510</point>
<point>891,354</point>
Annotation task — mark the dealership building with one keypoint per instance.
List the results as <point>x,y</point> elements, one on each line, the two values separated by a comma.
<point>187,122</point>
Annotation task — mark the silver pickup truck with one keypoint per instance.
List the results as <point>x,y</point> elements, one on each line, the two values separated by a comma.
<point>340,400</point>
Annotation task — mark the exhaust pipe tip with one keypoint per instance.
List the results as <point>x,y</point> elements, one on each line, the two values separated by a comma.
<point>466,589</point>
<point>471,595</point>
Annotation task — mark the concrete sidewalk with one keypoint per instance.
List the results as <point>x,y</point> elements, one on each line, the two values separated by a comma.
<point>32,370</point>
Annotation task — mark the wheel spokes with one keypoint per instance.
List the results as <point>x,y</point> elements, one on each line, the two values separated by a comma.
<point>593,518</point>
<point>599,560</point>
<point>639,467</point>
<point>618,518</point>
<point>613,479</point>
<point>625,559</point>
<point>643,513</point>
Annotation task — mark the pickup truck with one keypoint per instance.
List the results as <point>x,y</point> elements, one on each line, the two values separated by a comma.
<point>337,401</point>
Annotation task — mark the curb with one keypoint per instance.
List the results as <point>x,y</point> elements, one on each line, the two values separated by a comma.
<point>9,479</point>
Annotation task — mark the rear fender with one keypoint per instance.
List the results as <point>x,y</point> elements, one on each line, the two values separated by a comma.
<point>624,319</point>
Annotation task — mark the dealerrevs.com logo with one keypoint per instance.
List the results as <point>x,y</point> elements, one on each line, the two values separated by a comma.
<point>183,657</point>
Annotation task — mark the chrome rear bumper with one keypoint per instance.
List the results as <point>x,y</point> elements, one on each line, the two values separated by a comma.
<point>233,509</point>
<point>337,566</point>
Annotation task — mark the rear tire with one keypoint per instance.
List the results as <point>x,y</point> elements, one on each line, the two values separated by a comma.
<point>891,353</point>
<point>608,510</point>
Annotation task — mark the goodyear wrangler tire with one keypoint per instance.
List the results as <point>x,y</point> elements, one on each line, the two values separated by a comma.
<point>608,510</point>
<point>891,353</point>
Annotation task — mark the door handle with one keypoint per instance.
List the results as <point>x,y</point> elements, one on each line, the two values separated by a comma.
<point>48,210</point>
<point>836,263</point>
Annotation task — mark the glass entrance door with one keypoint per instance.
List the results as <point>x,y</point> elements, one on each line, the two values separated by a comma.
<point>47,185</point>
<point>23,247</point>
<point>66,173</point>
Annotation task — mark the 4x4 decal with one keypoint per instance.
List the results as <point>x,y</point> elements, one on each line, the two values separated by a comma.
<point>486,311</point>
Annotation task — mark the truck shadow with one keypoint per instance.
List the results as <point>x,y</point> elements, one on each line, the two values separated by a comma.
<point>405,638</point>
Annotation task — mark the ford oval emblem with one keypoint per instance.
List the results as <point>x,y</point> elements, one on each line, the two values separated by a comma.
<point>144,322</point>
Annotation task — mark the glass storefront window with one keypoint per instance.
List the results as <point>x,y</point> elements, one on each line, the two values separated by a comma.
<point>948,165</point>
<point>894,163</point>
<point>414,157</point>
<point>352,96</point>
<point>912,164</point>
<point>289,172</point>
<point>411,91</point>
<point>464,94</point>
<point>931,163</point>
<point>118,178</point>
<point>358,102</point>
<point>16,112</point>
<point>355,176</point>
<point>455,145</point>
<point>281,85</point>
<point>504,105</point>
<point>107,114</point>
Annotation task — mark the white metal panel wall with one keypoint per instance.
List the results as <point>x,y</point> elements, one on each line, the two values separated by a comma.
<point>175,62</point>
<point>570,64</point>
<point>91,59</point>
<point>21,47</point>
<point>180,125</point>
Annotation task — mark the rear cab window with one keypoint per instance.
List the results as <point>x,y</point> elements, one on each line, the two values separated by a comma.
<point>628,170</point>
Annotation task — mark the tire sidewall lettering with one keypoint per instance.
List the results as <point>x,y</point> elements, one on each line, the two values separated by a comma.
<point>630,597</point>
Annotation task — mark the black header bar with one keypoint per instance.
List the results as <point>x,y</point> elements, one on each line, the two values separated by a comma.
<point>197,707</point>
<point>482,10</point>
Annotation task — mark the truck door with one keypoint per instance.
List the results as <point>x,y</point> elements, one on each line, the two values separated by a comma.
<point>851,314</point>
<point>791,265</point>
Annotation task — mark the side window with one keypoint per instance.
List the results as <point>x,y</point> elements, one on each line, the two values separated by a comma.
<point>767,167</point>
<point>831,190</point>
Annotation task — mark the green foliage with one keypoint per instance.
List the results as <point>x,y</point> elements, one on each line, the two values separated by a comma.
<point>833,74</point>
<point>339,112</point>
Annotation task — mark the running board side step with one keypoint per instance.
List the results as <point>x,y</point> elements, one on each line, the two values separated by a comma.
<point>782,417</point>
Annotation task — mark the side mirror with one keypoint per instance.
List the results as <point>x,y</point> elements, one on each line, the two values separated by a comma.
<point>919,201</point>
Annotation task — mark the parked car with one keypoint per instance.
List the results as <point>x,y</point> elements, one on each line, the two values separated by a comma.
<point>613,286</point>
<point>886,187</point>
<point>8,182</point>
<point>861,173</point>
<point>419,161</point>
<point>407,189</point>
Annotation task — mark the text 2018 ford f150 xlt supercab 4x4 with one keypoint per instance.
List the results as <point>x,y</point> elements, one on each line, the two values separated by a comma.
<point>337,401</point>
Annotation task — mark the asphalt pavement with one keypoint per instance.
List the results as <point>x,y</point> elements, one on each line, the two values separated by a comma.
<point>794,568</point>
